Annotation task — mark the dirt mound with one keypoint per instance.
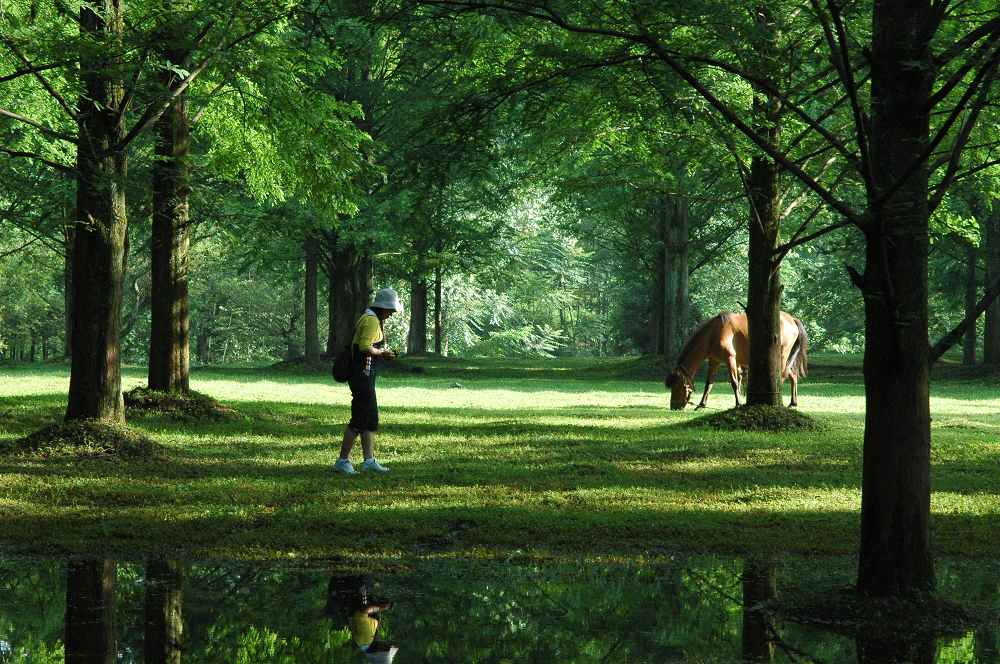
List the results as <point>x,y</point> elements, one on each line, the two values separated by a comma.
<point>85,439</point>
<point>189,406</point>
<point>760,418</point>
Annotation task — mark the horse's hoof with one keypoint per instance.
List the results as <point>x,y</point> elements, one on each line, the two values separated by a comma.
<point>793,405</point>
<point>700,406</point>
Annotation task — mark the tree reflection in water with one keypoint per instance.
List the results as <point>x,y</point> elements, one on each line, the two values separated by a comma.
<point>703,608</point>
<point>90,612</point>
<point>164,630</point>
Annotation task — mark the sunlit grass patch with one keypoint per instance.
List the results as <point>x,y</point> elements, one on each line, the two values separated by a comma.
<point>579,460</point>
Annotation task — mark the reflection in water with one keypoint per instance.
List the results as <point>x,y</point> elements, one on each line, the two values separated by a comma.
<point>90,612</point>
<point>348,605</point>
<point>697,609</point>
<point>912,649</point>
<point>758,588</point>
<point>164,631</point>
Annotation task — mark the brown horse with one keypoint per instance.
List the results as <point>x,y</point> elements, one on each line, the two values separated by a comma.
<point>724,339</point>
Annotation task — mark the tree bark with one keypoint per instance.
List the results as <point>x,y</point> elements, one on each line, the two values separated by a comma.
<point>311,306</point>
<point>438,312</point>
<point>675,274</point>
<point>659,297</point>
<point>758,587</point>
<point>990,227</point>
<point>969,342</point>
<point>90,612</point>
<point>349,272</point>
<point>764,275</point>
<point>417,339</point>
<point>169,338</point>
<point>895,556</point>
<point>164,631</point>
<point>69,231</point>
<point>100,239</point>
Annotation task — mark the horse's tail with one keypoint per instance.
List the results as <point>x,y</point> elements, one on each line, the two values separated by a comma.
<point>798,358</point>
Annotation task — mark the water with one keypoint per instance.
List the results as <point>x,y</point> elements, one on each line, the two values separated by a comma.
<point>690,609</point>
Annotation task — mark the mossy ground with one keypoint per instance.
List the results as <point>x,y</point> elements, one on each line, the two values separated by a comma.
<point>555,458</point>
<point>81,439</point>
<point>188,406</point>
<point>760,418</point>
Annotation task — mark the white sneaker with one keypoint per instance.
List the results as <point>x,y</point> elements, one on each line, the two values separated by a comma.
<point>371,465</point>
<point>344,466</point>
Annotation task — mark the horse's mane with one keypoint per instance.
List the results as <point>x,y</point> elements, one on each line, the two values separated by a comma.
<point>695,338</point>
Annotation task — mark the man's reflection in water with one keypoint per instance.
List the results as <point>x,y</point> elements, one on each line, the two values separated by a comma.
<point>347,602</point>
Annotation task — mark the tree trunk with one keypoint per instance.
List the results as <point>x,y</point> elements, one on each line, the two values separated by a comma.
<point>758,587</point>
<point>763,274</point>
<point>969,341</point>
<point>675,274</point>
<point>90,612</point>
<point>416,343</point>
<point>659,297</point>
<point>169,338</point>
<point>69,232</point>
<point>311,302</point>
<point>990,227</point>
<point>34,349</point>
<point>438,312</point>
<point>100,239</point>
<point>895,556</point>
<point>164,612</point>
<point>349,271</point>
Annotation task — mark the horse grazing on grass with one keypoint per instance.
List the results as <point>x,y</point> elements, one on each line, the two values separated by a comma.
<point>724,339</point>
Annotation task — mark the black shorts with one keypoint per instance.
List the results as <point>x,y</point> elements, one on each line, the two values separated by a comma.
<point>364,404</point>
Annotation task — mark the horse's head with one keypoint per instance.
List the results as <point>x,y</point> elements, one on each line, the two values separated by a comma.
<point>681,388</point>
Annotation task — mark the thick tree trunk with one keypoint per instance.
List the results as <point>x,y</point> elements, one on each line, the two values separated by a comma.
<point>164,633</point>
<point>169,338</point>
<point>895,556</point>
<point>675,275</point>
<point>417,340</point>
<point>990,227</point>
<point>69,233</point>
<point>349,271</point>
<point>438,312</point>
<point>969,341</point>
<point>758,587</point>
<point>311,306</point>
<point>100,239</point>
<point>763,275</point>
<point>90,612</point>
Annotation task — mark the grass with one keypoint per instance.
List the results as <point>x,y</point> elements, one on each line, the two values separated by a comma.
<point>488,458</point>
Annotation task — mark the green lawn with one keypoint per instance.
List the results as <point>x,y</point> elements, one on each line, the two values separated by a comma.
<point>570,457</point>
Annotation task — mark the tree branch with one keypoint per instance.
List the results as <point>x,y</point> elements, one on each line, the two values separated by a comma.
<point>952,338</point>
<point>38,75</point>
<point>63,168</point>
<point>37,125</point>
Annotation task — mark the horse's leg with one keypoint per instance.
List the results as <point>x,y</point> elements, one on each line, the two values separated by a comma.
<point>794,378</point>
<point>734,378</point>
<point>712,366</point>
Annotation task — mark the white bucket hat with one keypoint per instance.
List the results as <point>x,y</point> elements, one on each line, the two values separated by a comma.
<point>387,298</point>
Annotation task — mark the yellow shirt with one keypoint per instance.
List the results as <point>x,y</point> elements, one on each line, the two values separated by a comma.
<point>363,628</point>
<point>367,332</point>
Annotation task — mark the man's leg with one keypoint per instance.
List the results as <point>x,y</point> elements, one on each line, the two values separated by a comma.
<point>368,444</point>
<point>350,435</point>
